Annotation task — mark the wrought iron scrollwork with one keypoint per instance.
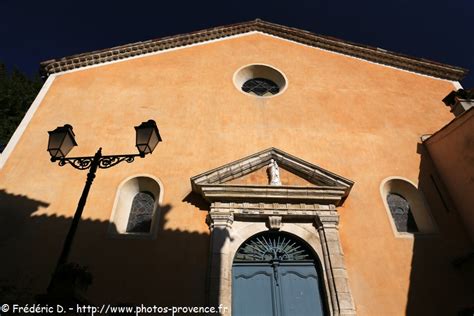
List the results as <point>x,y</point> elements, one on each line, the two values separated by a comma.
<point>84,163</point>
<point>110,161</point>
<point>270,247</point>
<point>78,163</point>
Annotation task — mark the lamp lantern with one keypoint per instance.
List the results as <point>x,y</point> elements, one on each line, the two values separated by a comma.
<point>61,141</point>
<point>148,136</point>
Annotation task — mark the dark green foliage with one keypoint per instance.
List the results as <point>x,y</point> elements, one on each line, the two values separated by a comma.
<point>17,92</point>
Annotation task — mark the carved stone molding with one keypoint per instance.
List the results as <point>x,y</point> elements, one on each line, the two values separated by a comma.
<point>274,222</point>
<point>220,219</point>
<point>327,214</point>
<point>328,187</point>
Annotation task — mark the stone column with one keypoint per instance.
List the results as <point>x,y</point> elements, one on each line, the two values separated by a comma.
<point>220,269</point>
<point>341,298</point>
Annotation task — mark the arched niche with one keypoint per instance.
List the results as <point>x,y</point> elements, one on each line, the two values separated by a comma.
<point>407,190</point>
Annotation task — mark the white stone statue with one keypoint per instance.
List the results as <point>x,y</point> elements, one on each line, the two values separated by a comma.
<point>273,173</point>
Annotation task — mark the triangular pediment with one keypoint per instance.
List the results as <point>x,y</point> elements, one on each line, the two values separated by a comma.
<point>260,177</point>
<point>373,54</point>
<point>247,179</point>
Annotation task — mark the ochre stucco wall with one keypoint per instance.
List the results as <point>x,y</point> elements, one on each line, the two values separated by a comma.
<point>357,119</point>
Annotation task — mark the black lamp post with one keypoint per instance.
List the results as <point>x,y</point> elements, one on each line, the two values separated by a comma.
<point>60,143</point>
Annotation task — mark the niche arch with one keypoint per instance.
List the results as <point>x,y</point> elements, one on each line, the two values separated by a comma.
<point>127,193</point>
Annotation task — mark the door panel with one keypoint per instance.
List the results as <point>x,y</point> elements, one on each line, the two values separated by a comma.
<point>252,290</point>
<point>299,291</point>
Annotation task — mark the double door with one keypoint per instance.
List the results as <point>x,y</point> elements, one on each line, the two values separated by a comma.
<point>276,288</point>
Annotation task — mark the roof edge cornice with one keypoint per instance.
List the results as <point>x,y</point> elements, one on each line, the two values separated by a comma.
<point>377,55</point>
<point>286,194</point>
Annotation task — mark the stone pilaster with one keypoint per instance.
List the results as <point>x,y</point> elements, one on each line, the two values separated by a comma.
<point>220,273</point>
<point>342,302</point>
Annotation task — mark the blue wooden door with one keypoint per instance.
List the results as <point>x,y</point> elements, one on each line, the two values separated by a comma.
<point>299,289</point>
<point>274,283</point>
<point>249,282</point>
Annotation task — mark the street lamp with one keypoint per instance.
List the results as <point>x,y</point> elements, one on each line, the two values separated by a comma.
<point>61,141</point>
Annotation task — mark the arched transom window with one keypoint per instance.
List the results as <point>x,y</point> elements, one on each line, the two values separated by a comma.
<point>270,247</point>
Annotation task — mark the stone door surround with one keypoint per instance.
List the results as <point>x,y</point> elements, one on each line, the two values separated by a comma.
<point>239,211</point>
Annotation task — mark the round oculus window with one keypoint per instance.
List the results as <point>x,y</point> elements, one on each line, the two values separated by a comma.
<point>260,80</point>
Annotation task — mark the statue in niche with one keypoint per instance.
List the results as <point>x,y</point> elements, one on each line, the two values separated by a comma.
<point>273,172</point>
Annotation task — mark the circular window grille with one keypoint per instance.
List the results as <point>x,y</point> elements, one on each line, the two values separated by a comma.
<point>260,80</point>
<point>271,247</point>
<point>260,87</point>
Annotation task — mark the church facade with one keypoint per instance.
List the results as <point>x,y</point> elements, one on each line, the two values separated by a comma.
<point>292,179</point>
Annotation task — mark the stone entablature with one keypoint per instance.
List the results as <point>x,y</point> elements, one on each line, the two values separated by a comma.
<point>276,193</point>
<point>326,213</point>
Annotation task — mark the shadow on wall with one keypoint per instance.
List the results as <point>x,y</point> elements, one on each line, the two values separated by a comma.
<point>169,270</point>
<point>439,286</point>
<point>219,236</point>
<point>15,212</point>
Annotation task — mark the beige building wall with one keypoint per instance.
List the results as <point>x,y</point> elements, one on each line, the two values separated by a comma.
<point>355,118</point>
<point>452,151</point>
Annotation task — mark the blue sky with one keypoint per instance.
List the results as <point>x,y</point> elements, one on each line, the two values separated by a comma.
<point>34,31</point>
